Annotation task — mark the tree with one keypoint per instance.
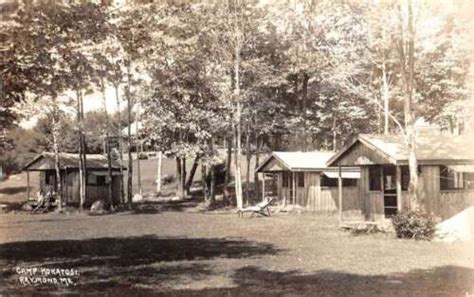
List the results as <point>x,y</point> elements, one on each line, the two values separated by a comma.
<point>133,34</point>
<point>43,54</point>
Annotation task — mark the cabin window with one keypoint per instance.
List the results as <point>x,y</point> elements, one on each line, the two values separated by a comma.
<point>349,182</point>
<point>332,182</point>
<point>300,177</point>
<point>69,178</point>
<point>328,182</point>
<point>405,178</point>
<point>375,178</point>
<point>450,179</point>
<point>95,180</point>
<point>284,179</point>
<point>49,178</point>
<point>468,180</point>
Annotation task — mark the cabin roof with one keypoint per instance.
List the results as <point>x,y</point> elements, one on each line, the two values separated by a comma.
<point>298,161</point>
<point>46,160</point>
<point>434,149</point>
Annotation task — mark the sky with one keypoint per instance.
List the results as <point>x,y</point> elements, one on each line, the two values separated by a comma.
<point>92,102</point>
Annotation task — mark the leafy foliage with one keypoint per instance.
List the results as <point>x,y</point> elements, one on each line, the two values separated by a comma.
<point>414,225</point>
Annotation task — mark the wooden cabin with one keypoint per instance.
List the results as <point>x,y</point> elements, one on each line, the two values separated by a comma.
<point>97,182</point>
<point>302,178</point>
<point>445,169</point>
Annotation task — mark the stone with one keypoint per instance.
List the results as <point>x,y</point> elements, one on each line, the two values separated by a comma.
<point>137,198</point>
<point>98,207</point>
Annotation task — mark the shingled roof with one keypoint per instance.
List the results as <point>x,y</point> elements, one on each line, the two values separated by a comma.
<point>45,161</point>
<point>430,149</point>
<point>299,161</point>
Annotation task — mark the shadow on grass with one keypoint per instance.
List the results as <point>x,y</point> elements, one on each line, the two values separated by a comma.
<point>111,263</point>
<point>253,281</point>
<point>150,265</point>
<point>130,251</point>
<point>180,205</point>
<point>440,281</point>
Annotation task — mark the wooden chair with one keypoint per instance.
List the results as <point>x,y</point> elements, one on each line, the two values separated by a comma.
<point>262,208</point>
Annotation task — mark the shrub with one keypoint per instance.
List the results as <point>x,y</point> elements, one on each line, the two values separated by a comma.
<point>414,224</point>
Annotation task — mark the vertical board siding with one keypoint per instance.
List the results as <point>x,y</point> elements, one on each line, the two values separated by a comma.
<point>314,198</point>
<point>371,202</point>
<point>430,184</point>
<point>362,155</point>
<point>452,202</point>
<point>73,188</point>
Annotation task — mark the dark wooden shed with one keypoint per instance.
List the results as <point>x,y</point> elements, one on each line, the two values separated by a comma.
<point>445,169</point>
<point>96,183</point>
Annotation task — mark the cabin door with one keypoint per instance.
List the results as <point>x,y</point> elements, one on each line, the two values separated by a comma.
<point>389,187</point>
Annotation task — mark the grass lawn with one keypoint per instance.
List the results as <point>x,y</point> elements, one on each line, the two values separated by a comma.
<point>183,253</point>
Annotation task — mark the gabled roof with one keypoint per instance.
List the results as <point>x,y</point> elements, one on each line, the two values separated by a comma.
<point>46,160</point>
<point>431,149</point>
<point>297,161</point>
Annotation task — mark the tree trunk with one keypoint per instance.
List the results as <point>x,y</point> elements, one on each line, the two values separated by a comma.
<point>228,169</point>
<point>257,162</point>
<point>205,190</point>
<point>84,154</point>
<point>107,146</point>
<point>55,133</point>
<point>179,173</point>
<point>334,133</point>
<point>249,159</point>
<point>189,182</point>
<point>304,111</point>
<point>385,96</point>
<point>212,194</point>
<point>120,142</point>
<point>414,189</point>
<point>183,178</point>
<point>82,173</point>
<point>129,140</point>
<point>138,151</point>
<point>158,173</point>
<point>238,119</point>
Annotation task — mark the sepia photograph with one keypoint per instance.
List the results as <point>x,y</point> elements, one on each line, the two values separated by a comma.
<point>237,148</point>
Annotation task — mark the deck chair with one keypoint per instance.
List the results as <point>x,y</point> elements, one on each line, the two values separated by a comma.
<point>262,208</point>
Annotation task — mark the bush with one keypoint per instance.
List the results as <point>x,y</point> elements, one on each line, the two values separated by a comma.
<point>414,224</point>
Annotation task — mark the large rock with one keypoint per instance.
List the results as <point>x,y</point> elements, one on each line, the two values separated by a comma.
<point>137,198</point>
<point>99,207</point>
<point>459,227</point>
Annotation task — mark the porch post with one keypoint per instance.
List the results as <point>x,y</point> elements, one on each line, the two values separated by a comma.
<point>28,184</point>
<point>294,188</point>
<point>288,188</point>
<point>339,186</point>
<point>263,186</point>
<point>399,187</point>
